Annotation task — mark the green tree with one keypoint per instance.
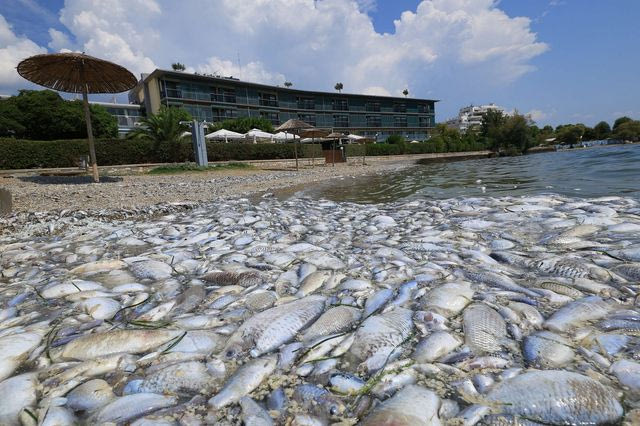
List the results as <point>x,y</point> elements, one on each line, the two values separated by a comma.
<point>177,66</point>
<point>589,134</point>
<point>620,121</point>
<point>514,135</point>
<point>405,92</point>
<point>338,87</point>
<point>288,84</point>
<point>569,134</point>
<point>164,129</point>
<point>243,125</point>
<point>491,129</point>
<point>44,115</point>
<point>603,130</point>
<point>628,131</point>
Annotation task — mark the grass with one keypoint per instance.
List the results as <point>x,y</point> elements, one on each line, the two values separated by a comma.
<point>190,168</point>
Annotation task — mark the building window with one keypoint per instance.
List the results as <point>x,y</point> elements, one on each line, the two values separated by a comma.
<point>372,106</point>
<point>400,121</point>
<point>339,105</point>
<point>220,114</point>
<point>273,117</point>
<point>423,108</point>
<point>341,120</point>
<point>399,107</point>
<point>423,121</point>
<point>221,94</point>
<point>268,99</point>
<point>306,103</point>
<point>374,121</point>
<point>308,118</point>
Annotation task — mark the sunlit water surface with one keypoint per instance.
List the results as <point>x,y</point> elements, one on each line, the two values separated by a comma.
<point>593,172</point>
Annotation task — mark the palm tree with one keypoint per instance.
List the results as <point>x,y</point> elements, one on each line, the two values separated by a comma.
<point>288,84</point>
<point>405,92</point>
<point>177,66</point>
<point>163,128</point>
<point>338,87</point>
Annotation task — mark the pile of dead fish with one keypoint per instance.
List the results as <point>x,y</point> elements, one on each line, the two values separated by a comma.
<point>506,311</point>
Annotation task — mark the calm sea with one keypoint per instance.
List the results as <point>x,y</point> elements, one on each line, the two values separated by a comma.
<point>591,172</point>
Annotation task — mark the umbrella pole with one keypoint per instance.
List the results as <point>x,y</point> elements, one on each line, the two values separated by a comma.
<point>313,154</point>
<point>364,152</point>
<point>295,152</point>
<point>333,154</point>
<point>92,148</point>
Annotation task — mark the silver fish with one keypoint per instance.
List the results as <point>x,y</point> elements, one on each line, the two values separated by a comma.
<point>557,397</point>
<point>269,329</point>
<point>244,381</point>
<point>484,329</point>
<point>412,406</point>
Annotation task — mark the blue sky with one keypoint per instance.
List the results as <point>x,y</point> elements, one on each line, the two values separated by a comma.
<point>569,61</point>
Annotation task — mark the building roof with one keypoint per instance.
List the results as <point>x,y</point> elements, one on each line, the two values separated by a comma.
<point>221,80</point>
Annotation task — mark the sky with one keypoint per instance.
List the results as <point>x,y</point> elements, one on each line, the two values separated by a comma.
<point>561,61</point>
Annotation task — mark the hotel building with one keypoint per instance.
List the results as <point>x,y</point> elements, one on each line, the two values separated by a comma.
<point>214,99</point>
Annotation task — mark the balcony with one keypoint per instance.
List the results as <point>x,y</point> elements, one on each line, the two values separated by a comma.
<point>268,102</point>
<point>231,99</point>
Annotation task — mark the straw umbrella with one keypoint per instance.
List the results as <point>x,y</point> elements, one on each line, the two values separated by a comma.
<point>78,73</point>
<point>294,126</point>
<point>313,134</point>
<point>334,136</point>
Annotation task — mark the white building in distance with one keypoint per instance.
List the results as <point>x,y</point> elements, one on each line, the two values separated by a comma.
<point>471,116</point>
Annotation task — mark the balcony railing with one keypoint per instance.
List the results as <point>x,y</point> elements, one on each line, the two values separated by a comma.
<point>269,102</point>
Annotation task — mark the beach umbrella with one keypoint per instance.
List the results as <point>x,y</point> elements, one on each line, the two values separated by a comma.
<point>334,136</point>
<point>294,126</point>
<point>258,134</point>
<point>78,73</point>
<point>284,136</point>
<point>313,134</point>
<point>224,134</point>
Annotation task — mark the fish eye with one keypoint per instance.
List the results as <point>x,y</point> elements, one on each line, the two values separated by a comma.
<point>333,410</point>
<point>230,353</point>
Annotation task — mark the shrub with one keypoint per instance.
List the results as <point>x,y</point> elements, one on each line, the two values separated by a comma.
<point>27,154</point>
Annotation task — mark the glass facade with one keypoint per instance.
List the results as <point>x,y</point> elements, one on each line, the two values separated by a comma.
<point>215,99</point>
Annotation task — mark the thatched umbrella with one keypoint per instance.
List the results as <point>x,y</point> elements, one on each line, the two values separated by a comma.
<point>334,136</point>
<point>78,73</point>
<point>294,126</point>
<point>313,134</point>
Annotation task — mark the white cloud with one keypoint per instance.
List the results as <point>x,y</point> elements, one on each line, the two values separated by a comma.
<point>59,40</point>
<point>13,49</point>
<point>253,71</point>
<point>538,115</point>
<point>442,46</point>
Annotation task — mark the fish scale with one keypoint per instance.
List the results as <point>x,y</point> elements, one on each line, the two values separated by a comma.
<point>269,329</point>
<point>379,335</point>
<point>484,329</point>
<point>557,397</point>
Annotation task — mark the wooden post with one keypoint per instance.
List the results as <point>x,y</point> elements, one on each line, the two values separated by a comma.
<point>333,153</point>
<point>295,151</point>
<point>92,148</point>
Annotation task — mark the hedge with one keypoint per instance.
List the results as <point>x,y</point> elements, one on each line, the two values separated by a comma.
<point>27,154</point>
<point>427,147</point>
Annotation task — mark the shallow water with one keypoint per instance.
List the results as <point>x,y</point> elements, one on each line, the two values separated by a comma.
<point>593,172</point>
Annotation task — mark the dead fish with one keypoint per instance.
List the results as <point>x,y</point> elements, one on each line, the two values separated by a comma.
<point>112,342</point>
<point>412,406</point>
<point>557,397</point>
<point>244,381</point>
<point>484,329</point>
<point>577,312</point>
<point>377,339</point>
<point>269,329</point>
